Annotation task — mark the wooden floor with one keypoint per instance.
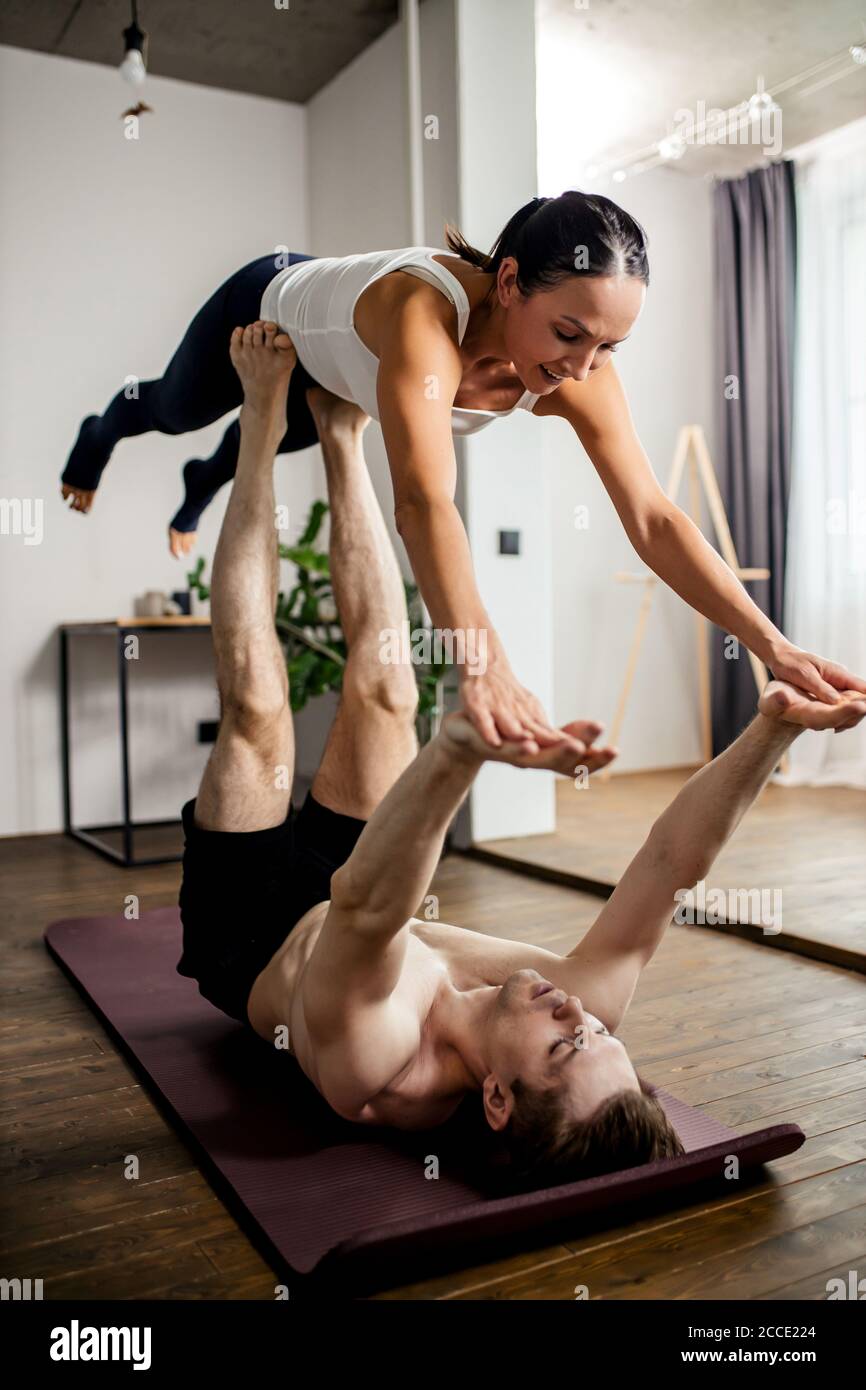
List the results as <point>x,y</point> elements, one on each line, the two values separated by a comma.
<point>806,843</point>
<point>752,1035</point>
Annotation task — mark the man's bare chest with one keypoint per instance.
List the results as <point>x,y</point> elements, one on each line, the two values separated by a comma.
<point>471,959</point>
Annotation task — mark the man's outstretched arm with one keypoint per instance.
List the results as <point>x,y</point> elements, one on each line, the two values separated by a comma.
<point>361,947</point>
<point>389,871</point>
<point>686,839</point>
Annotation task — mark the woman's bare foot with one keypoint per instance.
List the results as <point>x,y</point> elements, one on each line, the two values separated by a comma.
<point>333,415</point>
<point>790,705</point>
<point>82,499</point>
<point>181,543</point>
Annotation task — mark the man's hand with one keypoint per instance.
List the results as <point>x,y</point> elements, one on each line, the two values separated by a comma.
<point>823,679</point>
<point>264,373</point>
<point>574,750</point>
<point>786,704</point>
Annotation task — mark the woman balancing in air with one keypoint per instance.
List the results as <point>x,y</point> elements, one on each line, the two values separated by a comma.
<point>435,344</point>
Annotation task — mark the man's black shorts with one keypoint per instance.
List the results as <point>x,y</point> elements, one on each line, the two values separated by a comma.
<point>243,891</point>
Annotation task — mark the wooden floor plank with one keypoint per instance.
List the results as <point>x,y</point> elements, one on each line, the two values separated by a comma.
<point>751,1247</point>
<point>815,1287</point>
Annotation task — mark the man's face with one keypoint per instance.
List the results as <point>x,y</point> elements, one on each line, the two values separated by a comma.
<point>571,330</point>
<point>545,1036</point>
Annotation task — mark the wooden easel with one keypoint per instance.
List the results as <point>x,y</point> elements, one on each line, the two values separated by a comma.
<point>691,450</point>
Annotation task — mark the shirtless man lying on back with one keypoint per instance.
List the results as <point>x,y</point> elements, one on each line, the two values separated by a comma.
<point>303,921</point>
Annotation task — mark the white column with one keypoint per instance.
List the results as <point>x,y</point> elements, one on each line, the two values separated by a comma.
<point>503,484</point>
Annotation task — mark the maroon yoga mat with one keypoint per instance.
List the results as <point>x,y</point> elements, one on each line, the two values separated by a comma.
<point>328,1196</point>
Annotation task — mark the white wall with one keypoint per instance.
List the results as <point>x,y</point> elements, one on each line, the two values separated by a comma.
<point>481,167</point>
<point>504,482</point>
<point>107,249</point>
<point>668,373</point>
<point>358,199</point>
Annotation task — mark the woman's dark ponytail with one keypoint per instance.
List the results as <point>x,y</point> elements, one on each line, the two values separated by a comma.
<point>551,238</point>
<point>505,244</point>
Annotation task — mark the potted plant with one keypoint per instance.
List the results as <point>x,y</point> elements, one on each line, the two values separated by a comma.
<point>199,592</point>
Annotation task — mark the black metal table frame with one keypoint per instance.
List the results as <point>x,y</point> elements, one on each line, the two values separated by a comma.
<point>90,835</point>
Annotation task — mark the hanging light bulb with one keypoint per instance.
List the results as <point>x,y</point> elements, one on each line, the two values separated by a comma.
<point>618,175</point>
<point>133,69</point>
<point>858,53</point>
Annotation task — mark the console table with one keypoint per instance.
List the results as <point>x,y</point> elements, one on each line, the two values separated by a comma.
<point>116,630</point>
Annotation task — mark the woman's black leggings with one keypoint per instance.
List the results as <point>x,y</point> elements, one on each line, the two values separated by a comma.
<point>199,385</point>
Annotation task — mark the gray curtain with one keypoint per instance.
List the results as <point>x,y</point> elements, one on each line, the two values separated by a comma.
<point>755,265</point>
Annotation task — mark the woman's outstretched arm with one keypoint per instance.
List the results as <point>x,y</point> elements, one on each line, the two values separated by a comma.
<point>419,375</point>
<point>669,542</point>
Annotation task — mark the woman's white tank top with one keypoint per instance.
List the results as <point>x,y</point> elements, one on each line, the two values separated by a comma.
<point>314,302</point>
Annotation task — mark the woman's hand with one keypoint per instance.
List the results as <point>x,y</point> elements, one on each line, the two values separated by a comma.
<point>501,709</point>
<point>823,679</point>
<point>574,751</point>
<point>785,702</point>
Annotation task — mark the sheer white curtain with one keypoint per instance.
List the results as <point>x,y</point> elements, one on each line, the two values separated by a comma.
<point>826,564</point>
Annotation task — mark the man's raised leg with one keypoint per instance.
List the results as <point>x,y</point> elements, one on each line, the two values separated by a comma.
<point>373,737</point>
<point>248,778</point>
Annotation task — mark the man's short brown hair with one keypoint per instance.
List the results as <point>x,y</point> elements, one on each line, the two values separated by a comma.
<point>544,1146</point>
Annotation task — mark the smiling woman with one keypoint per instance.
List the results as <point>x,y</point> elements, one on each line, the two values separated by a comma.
<point>557,242</point>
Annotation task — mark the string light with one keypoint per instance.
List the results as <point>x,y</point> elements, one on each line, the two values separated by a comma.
<point>672,147</point>
<point>760,108</point>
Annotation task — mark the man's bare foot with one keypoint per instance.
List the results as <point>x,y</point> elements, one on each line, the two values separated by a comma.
<point>181,543</point>
<point>263,358</point>
<point>82,499</point>
<point>789,705</point>
<point>335,417</point>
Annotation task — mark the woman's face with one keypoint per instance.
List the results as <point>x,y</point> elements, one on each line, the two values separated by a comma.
<point>570,330</point>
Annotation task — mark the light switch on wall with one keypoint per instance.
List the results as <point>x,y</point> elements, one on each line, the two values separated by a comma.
<point>509,542</point>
